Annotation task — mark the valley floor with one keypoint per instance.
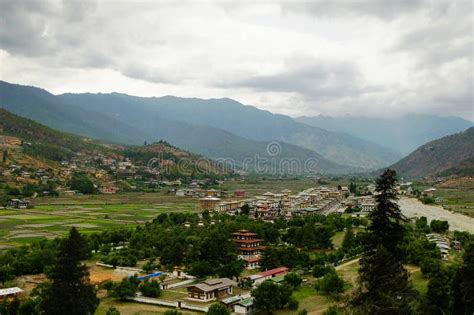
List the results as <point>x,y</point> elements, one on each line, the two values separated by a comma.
<point>412,207</point>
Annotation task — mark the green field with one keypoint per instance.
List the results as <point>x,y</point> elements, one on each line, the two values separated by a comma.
<point>53,217</point>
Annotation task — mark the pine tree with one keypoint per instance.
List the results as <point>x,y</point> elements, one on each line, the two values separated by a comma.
<point>69,291</point>
<point>383,281</point>
<point>386,219</point>
<point>463,284</point>
<point>438,293</point>
<point>349,239</point>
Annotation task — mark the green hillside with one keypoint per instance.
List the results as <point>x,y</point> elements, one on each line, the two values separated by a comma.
<point>451,155</point>
<point>51,145</point>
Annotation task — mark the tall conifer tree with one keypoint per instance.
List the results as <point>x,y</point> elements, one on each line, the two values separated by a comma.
<point>383,281</point>
<point>69,291</point>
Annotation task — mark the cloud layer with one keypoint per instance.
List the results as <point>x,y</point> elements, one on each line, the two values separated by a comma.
<point>368,57</point>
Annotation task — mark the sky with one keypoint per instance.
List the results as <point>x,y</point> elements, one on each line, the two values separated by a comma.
<point>364,58</point>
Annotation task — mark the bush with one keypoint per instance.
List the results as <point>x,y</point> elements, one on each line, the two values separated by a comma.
<point>332,310</point>
<point>293,279</point>
<point>82,183</point>
<point>430,266</point>
<point>127,287</point>
<point>150,289</point>
<point>293,304</point>
<point>331,283</point>
<point>428,200</point>
<point>321,270</point>
<point>112,311</point>
<point>439,226</point>
<point>218,309</point>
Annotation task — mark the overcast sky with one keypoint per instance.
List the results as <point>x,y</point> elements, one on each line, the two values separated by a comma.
<point>370,58</point>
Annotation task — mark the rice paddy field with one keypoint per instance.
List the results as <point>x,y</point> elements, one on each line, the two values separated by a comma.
<point>53,217</point>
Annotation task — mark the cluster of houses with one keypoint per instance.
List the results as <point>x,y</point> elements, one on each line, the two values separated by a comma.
<point>283,204</point>
<point>26,174</point>
<point>363,204</point>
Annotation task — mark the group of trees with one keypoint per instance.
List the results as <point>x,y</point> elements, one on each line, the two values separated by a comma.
<point>130,285</point>
<point>207,250</point>
<point>269,296</point>
<point>82,183</point>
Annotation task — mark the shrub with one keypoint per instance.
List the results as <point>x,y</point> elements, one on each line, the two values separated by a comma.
<point>331,283</point>
<point>150,289</point>
<point>112,311</point>
<point>293,279</point>
<point>293,304</point>
<point>218,309</point>
<point>320,270</point>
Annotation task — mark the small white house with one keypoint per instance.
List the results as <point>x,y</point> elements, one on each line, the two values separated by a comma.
<point>245,306</point>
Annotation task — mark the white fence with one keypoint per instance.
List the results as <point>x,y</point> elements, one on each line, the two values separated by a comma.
<point>179,284</point>
<point>174,304</point>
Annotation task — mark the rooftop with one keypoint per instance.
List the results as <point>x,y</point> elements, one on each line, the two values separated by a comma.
<point>246,302</point>
<point>273,271</point>
<point>9,291</point>
<point>214,284</point>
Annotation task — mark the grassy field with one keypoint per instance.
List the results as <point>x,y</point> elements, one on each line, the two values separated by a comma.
<point>308,299</point>
<point>54,216</point>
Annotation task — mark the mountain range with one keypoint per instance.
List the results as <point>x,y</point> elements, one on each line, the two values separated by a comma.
<point>215,128</point>
<point>450,155</point>
<point>223,128</point>
<point>403,134</point>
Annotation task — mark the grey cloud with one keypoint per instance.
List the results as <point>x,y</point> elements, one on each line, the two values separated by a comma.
<point>386,10</point>
<point>150,74</point>
<point>315,80</point>
<point>442,40</point>
<point>23,27</point>
<point>34,28</point>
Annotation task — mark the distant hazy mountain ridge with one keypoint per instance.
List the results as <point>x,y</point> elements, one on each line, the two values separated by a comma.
<point>402,134</point>
<point>231,117</point>
<point>450,155</point>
